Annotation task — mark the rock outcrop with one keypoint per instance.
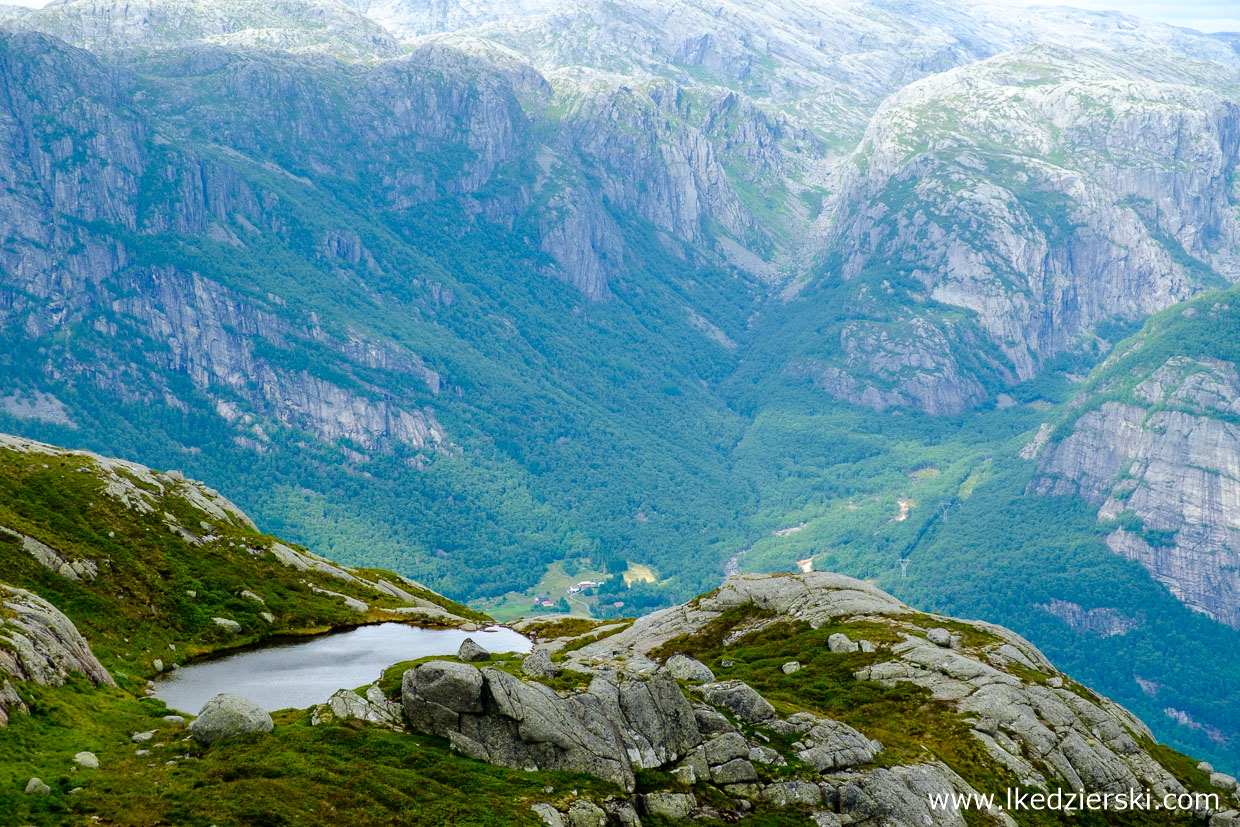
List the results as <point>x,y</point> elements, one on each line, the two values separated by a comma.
<point>38,643</point>
<point>608,730</point>
<point>1021,716</point>
<point>1164,467</point>
<point>371,706</point>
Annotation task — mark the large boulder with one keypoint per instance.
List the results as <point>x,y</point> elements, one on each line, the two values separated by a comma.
<point>436,693</point>
<point>86,760</point>
<point>471,652</point>
<point>372,707</point>
<point>831,745</point>
<point>608,730</point>
<point>538,664</point>
<point>686,668</point>
<point>226,716</point>
<point>741,699</point>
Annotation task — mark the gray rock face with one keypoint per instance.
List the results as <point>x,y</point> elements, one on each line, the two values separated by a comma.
<point>686,668</point>
<point>605,731</point>
<point>830,745</point>
<point>294,25</point>
<point>538,664</point>
<point>900,796</point>
<point>741,699</point>
<point>471,652</point>
<point>815,597</point>
<point>1169,459</point>
<point>371,706</point>
<point>672,806</point>
<point>549,815</point>
<point>921,226</point>
<point>226,716</point>
<point>1223,781</point>
<point>1100,621</point>
<point>840,643</point>
<point>792,793</point>
<point>82,569</point>
<point>725,748</point>
<point>38,643</point>
<point>583,813</point>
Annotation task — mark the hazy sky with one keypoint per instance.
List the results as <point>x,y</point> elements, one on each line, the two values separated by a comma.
<point>1205,15</point>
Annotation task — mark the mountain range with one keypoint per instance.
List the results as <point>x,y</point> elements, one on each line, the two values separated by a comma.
<point>503,296</point>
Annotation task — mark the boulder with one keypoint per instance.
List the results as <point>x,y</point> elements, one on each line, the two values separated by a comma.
<point>623,813</point>
<point>741,699</point>
<point>686,668</point>
<point>831,745</point>
<point>1206,767</point>
<point>840,643</point>
<point>655,718</point>
<point>471,652</point>
<point>900,796</point>
<point>142,737</point>
<point>86,760</point>
<point>792,793</point>
<point>790,667</point>
<point>939,637</point>
<point>36,786</point>
<point>496,717</point>
<point>436,693</point>
<point>736,771</point>
<point>538,664</point>
<point>226,716</point>
<point>766,755</point>
<point>672,806</point>
<point>175,720</point>
<point>231,625</point>
<point>372,707</point>
<point>710,722</point>
<point>582,813</point>
<point>1222,781</point>
<point>608,730</point>
<point>724,748</point>
<point>549,815</point>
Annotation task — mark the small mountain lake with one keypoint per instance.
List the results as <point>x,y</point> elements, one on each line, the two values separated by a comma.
<point>302,673</point>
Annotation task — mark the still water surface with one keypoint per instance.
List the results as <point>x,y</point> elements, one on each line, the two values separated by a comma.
<point>307,672</point>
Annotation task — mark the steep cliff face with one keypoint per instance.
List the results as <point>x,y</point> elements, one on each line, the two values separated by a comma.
<point>1164,473</point>
<point>1043,193</point>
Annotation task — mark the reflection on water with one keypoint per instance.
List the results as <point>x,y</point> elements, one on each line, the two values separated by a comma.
<point>307,672</point>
